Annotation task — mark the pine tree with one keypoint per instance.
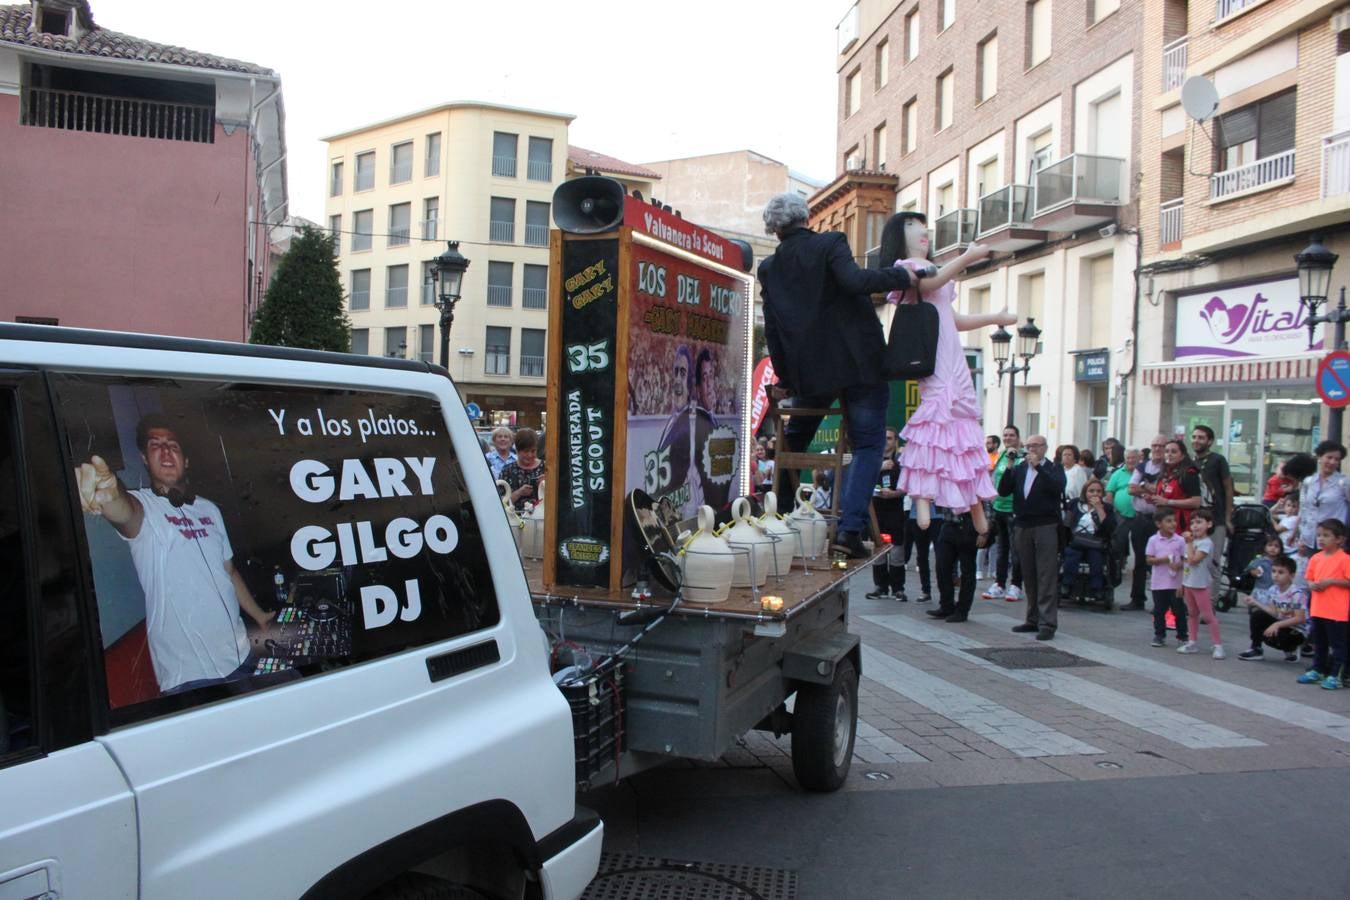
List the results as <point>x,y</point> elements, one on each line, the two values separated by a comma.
<point>303,306</point>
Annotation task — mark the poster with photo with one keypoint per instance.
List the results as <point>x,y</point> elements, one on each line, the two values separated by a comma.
<point>686,373</point>
<point>241,531</point>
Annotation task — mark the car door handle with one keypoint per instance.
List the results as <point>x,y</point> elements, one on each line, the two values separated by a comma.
<point>35,881</point>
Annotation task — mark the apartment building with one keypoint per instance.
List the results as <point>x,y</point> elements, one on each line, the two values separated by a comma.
<point>481,174</point>
<point>1013,123</point>
<point>1226,203</point>
<point>139,179</point>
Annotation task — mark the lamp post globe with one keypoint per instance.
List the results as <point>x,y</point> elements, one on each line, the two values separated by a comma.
<point>447,271</point>
<point>1028,340</point>
<point>1314,273</point>
<point>1002,342</point>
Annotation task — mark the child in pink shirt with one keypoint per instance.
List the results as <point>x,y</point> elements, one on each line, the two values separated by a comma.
<point>1164,552</point>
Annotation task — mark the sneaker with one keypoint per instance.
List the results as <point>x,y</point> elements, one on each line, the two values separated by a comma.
<point>1013,594</point>
<point>1312,676</point>
<point>1331,683</point>
<point>850,545</point>
<point>1218,652</point>
<point>1158,642</point>
<point>1253,653</point>
<point>1291,656</point>
<point>1188,647</point>
<point>925,597</point>
<point>993,593</point>
<point>980,575</point>
<point>1025,628</point>
<point>878,594</point>
<point>900,596</point>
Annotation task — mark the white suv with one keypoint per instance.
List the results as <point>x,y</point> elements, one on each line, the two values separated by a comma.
<point>264,633</point>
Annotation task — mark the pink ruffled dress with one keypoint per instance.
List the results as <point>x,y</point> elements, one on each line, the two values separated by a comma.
<point>944,460</point>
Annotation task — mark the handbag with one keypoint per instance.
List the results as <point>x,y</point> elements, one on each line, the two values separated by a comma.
<point>911,347</point>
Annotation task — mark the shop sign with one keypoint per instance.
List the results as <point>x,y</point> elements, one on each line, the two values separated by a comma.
<point>1247,321</point>
<point>655,222</point>
<point>1091,366</point>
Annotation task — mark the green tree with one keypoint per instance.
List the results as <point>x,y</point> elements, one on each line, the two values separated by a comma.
<point>303,306</point>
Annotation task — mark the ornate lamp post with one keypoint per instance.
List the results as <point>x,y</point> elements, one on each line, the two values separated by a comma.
<point>447,274</point>
<point>1314,282</point>
<point>1028,339</point>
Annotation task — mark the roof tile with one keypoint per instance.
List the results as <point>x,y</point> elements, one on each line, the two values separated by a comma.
<point>589,159</point>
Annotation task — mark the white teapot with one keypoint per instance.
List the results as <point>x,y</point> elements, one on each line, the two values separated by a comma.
<point>532,533</point>
<point>815,530</point>
<point>776,526</point>
<point>708,562</point>
<point>745,533</point>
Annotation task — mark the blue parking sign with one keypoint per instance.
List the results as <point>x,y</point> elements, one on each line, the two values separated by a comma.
<point>1333,378</point>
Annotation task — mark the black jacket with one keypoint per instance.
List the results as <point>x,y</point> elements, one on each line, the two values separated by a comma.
<point>1042,507</point>
<point>822,330</point>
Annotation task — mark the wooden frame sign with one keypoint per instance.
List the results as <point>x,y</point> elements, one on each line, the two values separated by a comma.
<point>648,376</point>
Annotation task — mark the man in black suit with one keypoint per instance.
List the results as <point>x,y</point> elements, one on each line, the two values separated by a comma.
<point>826,343</point>
<point>1036,486</point>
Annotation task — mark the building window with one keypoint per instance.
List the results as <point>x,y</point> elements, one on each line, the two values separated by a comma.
<point>1096,274</point>
<point>1042,147</point>
<point>396,287</point>
<point>335,232</point>
<point>1031,297</point>
<point>365,171</point>
<point>431,215</point>
<point>1100,9</point>
<point>502,220</point>
<point>428,284</point>
<point>540,164</point>
<point>1038,32</point>
<point>363,226</point>
<point>945,198</point>
<point>536,223</point>
<point>910,125</point>
<point>432,165</point>
<point>361,341</point>
<point>504,154</point>
<point>948,14</point>
<point>360,289</point>
<point>532,352</point>
<point>400,163</point>
<point>499,283</point>
<point>400,224</point>
<point>853,159</point>
<point>945,98</point>
<point>1106,124</point>
<point>396,343</point>
<point>987,179</point>
<point>912,34</point>
<point>1256,131</point>
<point>497,354</point>
<point>883,64</point>
<point>879,147</point>
<point>78,99</point>
<point>426,343</point>
<point>535,294</point>
<point>986,65</point>
<point>853,93</point>
<point>335,179</point>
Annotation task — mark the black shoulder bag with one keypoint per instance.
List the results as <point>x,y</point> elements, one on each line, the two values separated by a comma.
<point>911,347</point>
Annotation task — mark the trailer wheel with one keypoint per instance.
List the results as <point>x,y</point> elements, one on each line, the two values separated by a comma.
<point>824,721</point>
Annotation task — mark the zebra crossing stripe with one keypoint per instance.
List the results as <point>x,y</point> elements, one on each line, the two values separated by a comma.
<point>1151,717</point>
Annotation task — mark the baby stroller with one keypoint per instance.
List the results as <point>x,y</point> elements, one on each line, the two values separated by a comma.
<point>1251,527</point>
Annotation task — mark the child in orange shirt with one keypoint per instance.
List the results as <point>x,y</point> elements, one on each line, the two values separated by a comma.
<point>1328,576</point>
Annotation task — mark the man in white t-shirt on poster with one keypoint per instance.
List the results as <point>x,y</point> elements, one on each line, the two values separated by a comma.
<point>183,557</point>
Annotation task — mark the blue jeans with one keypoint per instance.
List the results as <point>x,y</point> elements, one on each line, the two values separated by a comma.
<point>867,435</point>
<point>1096,560</point>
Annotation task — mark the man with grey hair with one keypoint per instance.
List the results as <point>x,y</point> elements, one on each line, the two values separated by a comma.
<point>825,341</point>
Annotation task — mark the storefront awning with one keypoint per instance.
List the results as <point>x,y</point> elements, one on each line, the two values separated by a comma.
<point>1217,372</point>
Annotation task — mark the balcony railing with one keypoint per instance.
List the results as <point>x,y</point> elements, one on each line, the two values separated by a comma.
<point>502,232</point>
<point>540,170</point>
<point>499,295</point>
<point>102,114</point>
<point>1174,63</point>
<point>1169,221</point>
<point>497,362</point>
<point>1336,164</point>
<point>1079,178</point>
<point>361,240</point>
<point>395,297</point>
<point>955,229</point>
<point>534,298</point>
<point>536,235</point>
<point>398,235</point>
<point>531,366</point>
<point>1254,176</point>
<point>429,228</point>
<point>1225,8</point>
<point>1009,205</point>
<point>360,299</point>
<point>505,166</point>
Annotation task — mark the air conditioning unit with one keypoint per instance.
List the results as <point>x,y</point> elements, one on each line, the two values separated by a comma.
<point>1340,20</point>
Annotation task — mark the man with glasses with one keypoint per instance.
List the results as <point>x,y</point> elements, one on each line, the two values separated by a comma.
<point>1325,494</point>
<point>1036,485</point>
<point>1142,526</point>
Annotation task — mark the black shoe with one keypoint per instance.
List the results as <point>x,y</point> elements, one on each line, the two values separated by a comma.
<point>849,544</point>
<point>1132,606</point>
<point>925,597</point>
<point>956,617</point>
<point>1045,634</point>
<point>939,613</point>
<point>1026,628</point>
<point>878,594</point>
<point>901,597</point>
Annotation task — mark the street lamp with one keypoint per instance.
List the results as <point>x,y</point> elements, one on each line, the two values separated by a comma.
<point>1028,345</point>
<point>447,274</point>
<point>1314,282</point>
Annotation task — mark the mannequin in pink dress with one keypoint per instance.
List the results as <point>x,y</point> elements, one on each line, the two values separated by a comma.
<point>943,461</point>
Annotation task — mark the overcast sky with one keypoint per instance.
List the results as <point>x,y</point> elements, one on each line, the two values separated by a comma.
<point>646,80</point>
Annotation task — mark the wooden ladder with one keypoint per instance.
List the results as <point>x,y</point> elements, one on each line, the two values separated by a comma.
<point>786,462</point>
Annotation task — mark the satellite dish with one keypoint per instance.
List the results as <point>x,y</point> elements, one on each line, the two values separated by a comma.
<point>1199,98</point>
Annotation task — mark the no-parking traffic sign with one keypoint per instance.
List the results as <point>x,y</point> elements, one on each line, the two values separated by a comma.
<point>1333,378</point>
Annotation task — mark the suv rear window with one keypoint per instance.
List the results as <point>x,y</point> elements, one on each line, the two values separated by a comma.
<point>241,535</point>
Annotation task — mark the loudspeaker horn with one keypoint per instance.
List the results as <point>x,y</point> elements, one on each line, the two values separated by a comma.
<point>588,205</point>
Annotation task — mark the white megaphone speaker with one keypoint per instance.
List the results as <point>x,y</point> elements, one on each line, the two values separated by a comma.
<point>588,205</point>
